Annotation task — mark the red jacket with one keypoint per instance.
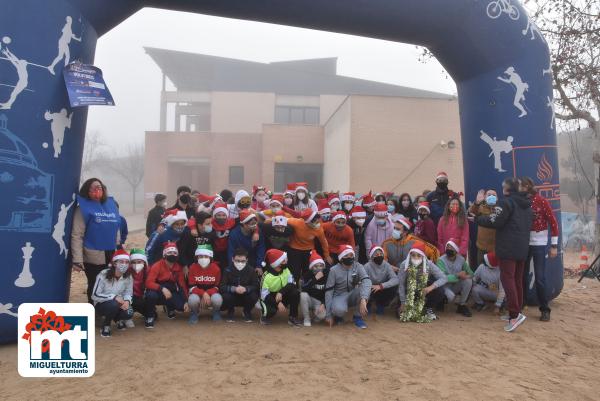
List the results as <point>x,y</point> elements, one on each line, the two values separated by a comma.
<point>160,273</point>
<point>222,234</point>
<point>543,217</point>
<point>425,229</point>
<point>450,229</point>
<point>204,280</point>
<point>139,279</point>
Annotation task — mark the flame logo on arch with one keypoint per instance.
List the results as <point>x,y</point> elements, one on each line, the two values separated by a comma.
<point>545,170</point>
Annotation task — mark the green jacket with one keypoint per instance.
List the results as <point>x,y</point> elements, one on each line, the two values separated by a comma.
<point>452,268</point>
<point>272,283</point>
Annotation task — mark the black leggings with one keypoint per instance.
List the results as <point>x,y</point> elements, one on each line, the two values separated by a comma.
<point>290,298</point>
<point>91,271</point>
<point>298,262</point>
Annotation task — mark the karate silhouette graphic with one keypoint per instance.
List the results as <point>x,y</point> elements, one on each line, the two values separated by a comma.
<point>497,148</point>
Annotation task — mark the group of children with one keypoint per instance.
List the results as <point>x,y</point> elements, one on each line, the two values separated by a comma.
<point>310,258</point>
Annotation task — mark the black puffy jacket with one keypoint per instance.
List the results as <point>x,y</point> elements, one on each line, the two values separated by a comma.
<point>512,218</point>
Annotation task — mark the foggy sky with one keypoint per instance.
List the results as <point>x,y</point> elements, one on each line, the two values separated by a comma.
<point>135,80</point>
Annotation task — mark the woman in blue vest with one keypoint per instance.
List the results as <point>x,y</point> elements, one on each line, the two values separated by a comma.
<point>94,236</point>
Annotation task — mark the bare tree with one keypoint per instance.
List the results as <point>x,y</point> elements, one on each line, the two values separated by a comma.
<point>130,166</point>
<point>93,152</point>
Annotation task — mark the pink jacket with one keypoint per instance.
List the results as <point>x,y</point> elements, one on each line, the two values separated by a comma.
<point>375,235</point>
<point>450,229</point>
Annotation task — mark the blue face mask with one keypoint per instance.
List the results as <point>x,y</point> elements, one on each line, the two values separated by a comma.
<point>391,208</point>
<point>491,200</point>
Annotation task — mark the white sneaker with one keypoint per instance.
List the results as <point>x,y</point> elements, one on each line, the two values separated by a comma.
<point>430,314</point>
<point>307,322</point>
<point>514,323</point>
<point>129,323</point>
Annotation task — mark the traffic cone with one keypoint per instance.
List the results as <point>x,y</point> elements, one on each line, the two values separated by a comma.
<point>583,258</point>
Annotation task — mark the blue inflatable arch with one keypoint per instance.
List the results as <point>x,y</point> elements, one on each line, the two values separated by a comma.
<point>497,57</point>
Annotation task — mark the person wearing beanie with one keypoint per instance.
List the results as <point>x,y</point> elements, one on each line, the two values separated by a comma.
<point>139,272</point>
<point>242,201</point>
<point>176,221</point>
<point>155,214</point>
<point>486,237</point>
<point>379,228</point>
<point>277,289</point>
<point>453,224</point>
<point>338,233</point>
<point>277,233</point>
<point>358,223</point>
<point>166,285</point>
<point>384,280</point>
<point>247,235</point>
<point>420,287</point>
<point>239,286</point>
<point>205,235</point>
<point>222,226</point>
<point>112,293</point>
<point>312,298</point>
<point>459,275</point>
<point>486,284</point>
<point>204,278</point>
<point>439,197</point>
<point>425,227</point>
<point>397,247</point>
<point>348,286</point>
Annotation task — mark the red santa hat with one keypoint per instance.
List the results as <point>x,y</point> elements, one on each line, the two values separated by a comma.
<point>323,206</point>
<point>276,198</point>
<point>221,208</point>
<point>332,198</point>
<point>301,186</point>
<point>170,247</point>
<point>202,198</point>
<point>314,259</point>
<point>490,259</point>
<point>424,206</point>
<point>419,248</point>
<point>279,219</point>
<point>120,254</point>
<point>368,200</point>
<point>339,215</point>
<point>374,249</point>
<point>453,244</point>
<point>291,189</point>
<point>308,215</point>
<point>256,188</point>
<point>345,250</point>
<point>440,175</point>
<point>348,197</point>
<point>380,210</point>
<point>275,257</point>
<point>403,220</point>
<point>358,212</point>
<point>246,215</point>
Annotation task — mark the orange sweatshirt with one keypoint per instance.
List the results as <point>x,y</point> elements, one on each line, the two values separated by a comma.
<point>304,236</point>
<point>336,238</point>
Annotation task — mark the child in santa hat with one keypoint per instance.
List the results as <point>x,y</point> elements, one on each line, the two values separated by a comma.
<point>204,278</point>
<point>139,271</point>
<point>176,221</point>
<point>222,225</point>
<point>425,227</point>
<point>248,236</point>
<point>379,228</point>
<point>312,297</point>
<point>384,280</point>
<point>459,275</point>
<point>277,233</point>
<point>338,233</point>
<point>358,222</point>
<point>278,289</point>
<point>260,198</point>
<point>487,286</point>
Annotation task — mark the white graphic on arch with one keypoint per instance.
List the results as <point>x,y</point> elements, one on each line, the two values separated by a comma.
<point>533,30</point>
<point>550,105</point>
<point>63,44</point>
<point>25,278</point>
<point>498,7</point>
<point>497,147</point>
<point>58,234</point>
<point>548,70</point>
<point>59,123</point>
<point>511,77</point>
<point>6,309</point>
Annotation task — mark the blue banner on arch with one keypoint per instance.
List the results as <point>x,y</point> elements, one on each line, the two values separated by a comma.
<point>86,86</point>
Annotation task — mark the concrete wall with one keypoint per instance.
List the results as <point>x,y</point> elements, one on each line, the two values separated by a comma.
<point>241,111</point>
<point>337,152</point>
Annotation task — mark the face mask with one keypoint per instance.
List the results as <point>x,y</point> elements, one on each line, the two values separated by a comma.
<point>261,198</point>
<point>288,201</point>
<point>185,199</point>
<point>348,206</point>
<point>396,234</point>
<point>405,203</point>
<point>276,209</point>
<point>380,223</point>
<point>204,262</point>
<point>423,216</point>
<point>178,230</point>
<point>315,225</point>
<point>450,252</point>
<point>416,261</point>
<point>208,229</point>
<point>325,217</point>
<point>335,207</point>
<point>138,267</point>
<point>378,260</point>
<point>221,221</point>
<point>122,267</point>
<point>251,227</point>
<point>360,222</point>
<point>442,185</point>
<point>347,261</point>
<point>391,208</point>
<point>491,200</point>
<point>454,209</point>
<point>316,269</point>
<point>96,194</point>
<point>171,258</point>
<point>340,227</point>
<point>301,195</point>
<point>239,265</point>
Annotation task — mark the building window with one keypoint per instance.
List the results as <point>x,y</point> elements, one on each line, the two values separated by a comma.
<point>289,115</point>
<point>236,175</point>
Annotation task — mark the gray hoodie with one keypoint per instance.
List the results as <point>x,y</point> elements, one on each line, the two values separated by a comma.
<point>382,274</point>
<point>489,277</point>
<point>441,278</point>
<point>340,280</point>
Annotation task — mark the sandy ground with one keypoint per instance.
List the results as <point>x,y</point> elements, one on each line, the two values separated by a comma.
<point>455,358</point>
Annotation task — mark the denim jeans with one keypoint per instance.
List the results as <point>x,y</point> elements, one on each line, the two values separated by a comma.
<point>537,255</point>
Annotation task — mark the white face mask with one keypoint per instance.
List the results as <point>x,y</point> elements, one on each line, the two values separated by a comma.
<point>348,206</point>
<point>261,198</point>
<point>276,209</point>
<point>301,195</point>
<point>204,262</point>
<point>360,222</point>
<point>416,261</point>
<point>138,267</point>
<point>239,265</point>
<point>288,201</point>
<point>335,207</point>
<point>315,225</point>
<point>396,234</point>
<point>208,229</point>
